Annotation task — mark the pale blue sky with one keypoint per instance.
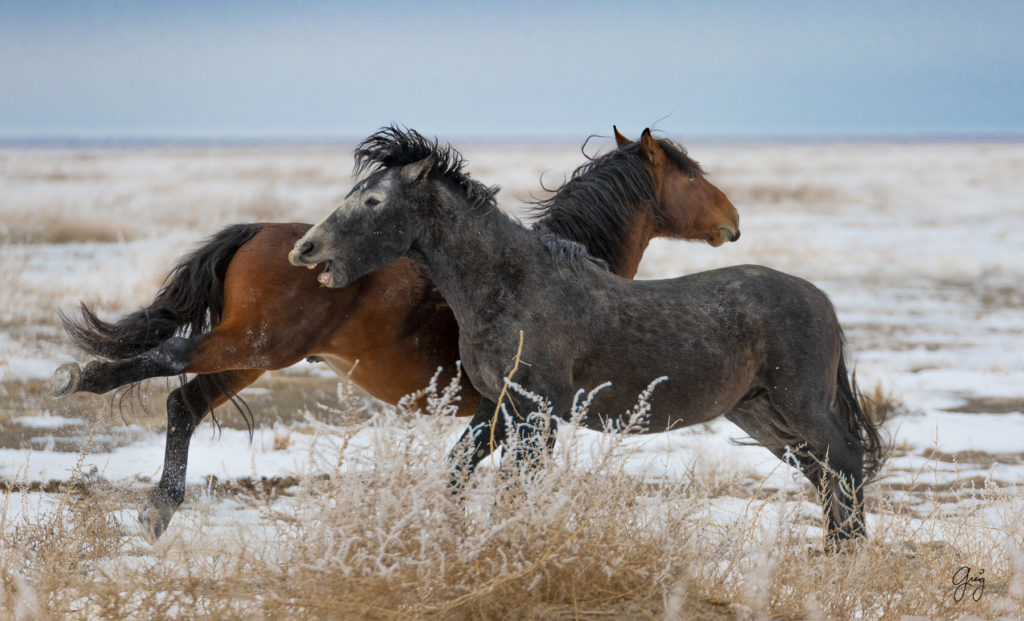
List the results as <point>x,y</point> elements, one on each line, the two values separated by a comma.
<point>338,70</point>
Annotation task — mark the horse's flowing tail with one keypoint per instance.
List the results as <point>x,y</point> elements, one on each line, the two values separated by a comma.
<point>856,409</point>
<point>190,303</point>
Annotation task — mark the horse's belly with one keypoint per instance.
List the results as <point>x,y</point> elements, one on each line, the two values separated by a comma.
<point>679,394</point>
<point>669,409</point>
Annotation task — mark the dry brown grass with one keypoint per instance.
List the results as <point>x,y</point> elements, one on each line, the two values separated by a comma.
<point>111,195</point>
<point>381,538</point>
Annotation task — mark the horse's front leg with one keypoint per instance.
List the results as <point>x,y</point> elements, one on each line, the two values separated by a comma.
<point>536,430</point>
<point>537,437</point>
<point>481,438</point>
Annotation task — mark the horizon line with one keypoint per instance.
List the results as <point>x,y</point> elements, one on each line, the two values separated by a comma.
<point>71,141</point>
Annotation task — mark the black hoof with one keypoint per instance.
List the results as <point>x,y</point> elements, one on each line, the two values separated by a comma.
<point>65,380</point>
<point>156,514</point>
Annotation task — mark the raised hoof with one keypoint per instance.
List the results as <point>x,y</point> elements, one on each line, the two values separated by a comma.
<point>156,514</point>
<point>65,380</point>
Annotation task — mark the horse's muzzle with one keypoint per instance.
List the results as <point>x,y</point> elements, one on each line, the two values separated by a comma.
<point>297,256</point>
<point>722,235</point>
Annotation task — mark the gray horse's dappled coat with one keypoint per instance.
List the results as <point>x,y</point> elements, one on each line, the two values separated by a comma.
<point>758,346</point>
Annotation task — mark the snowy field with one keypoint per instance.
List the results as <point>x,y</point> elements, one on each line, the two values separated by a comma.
<point>918,246</point>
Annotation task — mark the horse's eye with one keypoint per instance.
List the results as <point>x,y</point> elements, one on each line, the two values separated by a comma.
<point>373,201</point>
<point>693,176</point>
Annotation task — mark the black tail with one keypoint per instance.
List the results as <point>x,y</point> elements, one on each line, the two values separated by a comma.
<point>857,410</point>
<point>191,302</point>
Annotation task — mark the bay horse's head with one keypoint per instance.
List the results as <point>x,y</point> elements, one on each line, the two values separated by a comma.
<point>691,206</point>
<point>371,228</point>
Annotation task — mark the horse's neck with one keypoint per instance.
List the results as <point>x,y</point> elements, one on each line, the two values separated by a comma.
<point>621,246</point>
<point>475,258</point>
<point>633,244</point>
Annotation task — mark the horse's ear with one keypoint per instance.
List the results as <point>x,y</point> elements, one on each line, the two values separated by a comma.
<point>417,171</point>
<point>650,147</point>
<point>620,140</point>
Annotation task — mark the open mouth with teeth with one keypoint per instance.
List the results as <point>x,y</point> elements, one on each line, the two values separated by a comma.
<point>325,278</point>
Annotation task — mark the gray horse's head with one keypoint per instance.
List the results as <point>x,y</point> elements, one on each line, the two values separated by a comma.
<point>372,227</point>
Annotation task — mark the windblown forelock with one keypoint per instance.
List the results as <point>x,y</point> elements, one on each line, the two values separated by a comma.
<point>676,153</point>
<point>393,147</point>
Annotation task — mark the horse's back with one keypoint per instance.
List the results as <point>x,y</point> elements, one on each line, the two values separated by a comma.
<point>717,336</point>
<point>756,293</point>
<point>788,317</point>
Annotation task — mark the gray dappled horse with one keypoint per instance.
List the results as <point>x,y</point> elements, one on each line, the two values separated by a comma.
<point>758,346</point>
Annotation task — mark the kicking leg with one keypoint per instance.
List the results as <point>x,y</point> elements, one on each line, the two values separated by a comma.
<point>169,358</point>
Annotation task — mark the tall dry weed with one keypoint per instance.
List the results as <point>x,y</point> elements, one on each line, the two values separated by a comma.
<point>373,531</point>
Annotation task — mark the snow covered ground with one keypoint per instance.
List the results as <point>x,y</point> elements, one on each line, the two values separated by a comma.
<point>917,245</point>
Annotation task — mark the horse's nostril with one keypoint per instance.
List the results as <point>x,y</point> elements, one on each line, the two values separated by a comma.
<point>728,233</point>
<point>306,248</point>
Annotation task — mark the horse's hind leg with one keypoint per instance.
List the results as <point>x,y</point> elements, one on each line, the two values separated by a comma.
<point>169,358</point>
<point>837,471</point>
<point>228,346</point>
<point>186,407</point>
<point>831,459</point>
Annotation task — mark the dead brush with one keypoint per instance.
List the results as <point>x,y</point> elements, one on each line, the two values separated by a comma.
<point>379,536</point>
<point>55,545</point>
<point>391,542</point>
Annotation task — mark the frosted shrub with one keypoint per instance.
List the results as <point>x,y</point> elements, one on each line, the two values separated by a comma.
<point>373,531</point>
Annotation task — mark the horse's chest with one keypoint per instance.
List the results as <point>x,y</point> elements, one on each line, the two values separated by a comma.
<point>487,364</point>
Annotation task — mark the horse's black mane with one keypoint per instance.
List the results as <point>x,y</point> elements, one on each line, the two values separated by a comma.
<point>393,146</point>
<point>573,254</point>
<point>594,206</point>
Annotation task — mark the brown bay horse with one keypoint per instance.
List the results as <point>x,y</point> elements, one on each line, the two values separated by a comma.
<point>235,308</point>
